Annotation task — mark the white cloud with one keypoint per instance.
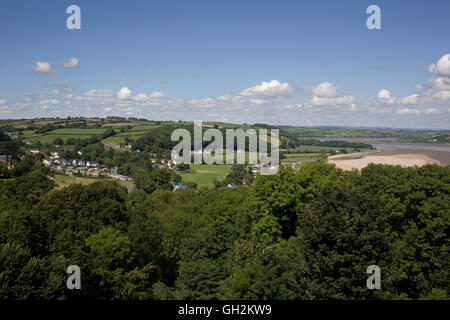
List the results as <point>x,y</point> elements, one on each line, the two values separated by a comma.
<point>124,93</point>
<point>384,96</point>
<point>326,94</point>
<point>272,89</point>
<point>49,102</point>
<point>203,103</point>
<point>152,96</point>
<point>43,67</point>
<point>432,111</point>
<point>157,94</point>
<point>437,91</point>
<point>2,101</point>
<point>224,98</point>
<point>440,83</point>
<point>411,99</point>
<point>407,111</point>
<point>103,93</point>
<point>292,106</point>
<point>140,97</point>
<point>260,101</point>
<point>442,67</point>
<point>324,90</point>
<point>72,63</point>
<point>343,100</point>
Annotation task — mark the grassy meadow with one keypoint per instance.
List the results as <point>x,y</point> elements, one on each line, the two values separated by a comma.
<point>205,174</point>
<point>64,181</point>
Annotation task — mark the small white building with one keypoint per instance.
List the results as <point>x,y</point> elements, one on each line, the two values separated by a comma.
<point>92,164</point>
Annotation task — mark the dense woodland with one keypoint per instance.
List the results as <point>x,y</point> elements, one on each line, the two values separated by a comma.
<point>305,234</point>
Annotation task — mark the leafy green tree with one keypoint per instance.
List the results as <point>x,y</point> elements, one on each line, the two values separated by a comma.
<point>4,172</point>
<point>58,141</point>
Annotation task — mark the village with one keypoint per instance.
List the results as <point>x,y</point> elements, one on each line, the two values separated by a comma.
<point>54,157</point>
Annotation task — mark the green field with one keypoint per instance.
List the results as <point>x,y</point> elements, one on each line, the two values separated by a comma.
<point>206,174</point>
<point>317,149</point>
<point>77,131</point>
<point>304,157</point>
<point>48,138</point>
<point>64,181</point>
<point>120,137</point>
<point>66,133</point>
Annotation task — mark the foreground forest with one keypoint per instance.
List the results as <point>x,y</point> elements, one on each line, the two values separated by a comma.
<point>305,234</point>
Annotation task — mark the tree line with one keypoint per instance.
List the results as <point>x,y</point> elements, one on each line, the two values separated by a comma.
<point>305,234</point>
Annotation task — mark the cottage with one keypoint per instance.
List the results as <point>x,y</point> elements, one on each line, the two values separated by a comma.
<point>54,155</point>
<point>92,164</point>
<point>15,136</point>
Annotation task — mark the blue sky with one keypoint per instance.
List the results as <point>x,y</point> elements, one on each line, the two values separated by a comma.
<point>279,62</point>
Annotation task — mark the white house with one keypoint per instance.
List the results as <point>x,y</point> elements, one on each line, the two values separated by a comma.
<point>92,163</point>
<point>54,155</point>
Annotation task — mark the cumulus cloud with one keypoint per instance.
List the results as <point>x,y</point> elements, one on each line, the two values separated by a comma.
<point>224,98</point>
<point>407,111</point>
<point>43,67</point>
<point>102,93</point>
<point>384,96</point>
<point>292,106</point>
<point>72,63</point>
<point>442,67</point>
<point>124,93</point>
<point>437,91</point>
<point>157,94</point>
<point>432,111</point>
<point>140,97</point>
<point>341,101</point>
<point>323,90</point>
<point>260,101</point>
<point>203,103</point>
<point>411,99</point>
<point>49,102</point>
<point>272,89</point>
<point>152,96</point>
<point>326,94</point>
